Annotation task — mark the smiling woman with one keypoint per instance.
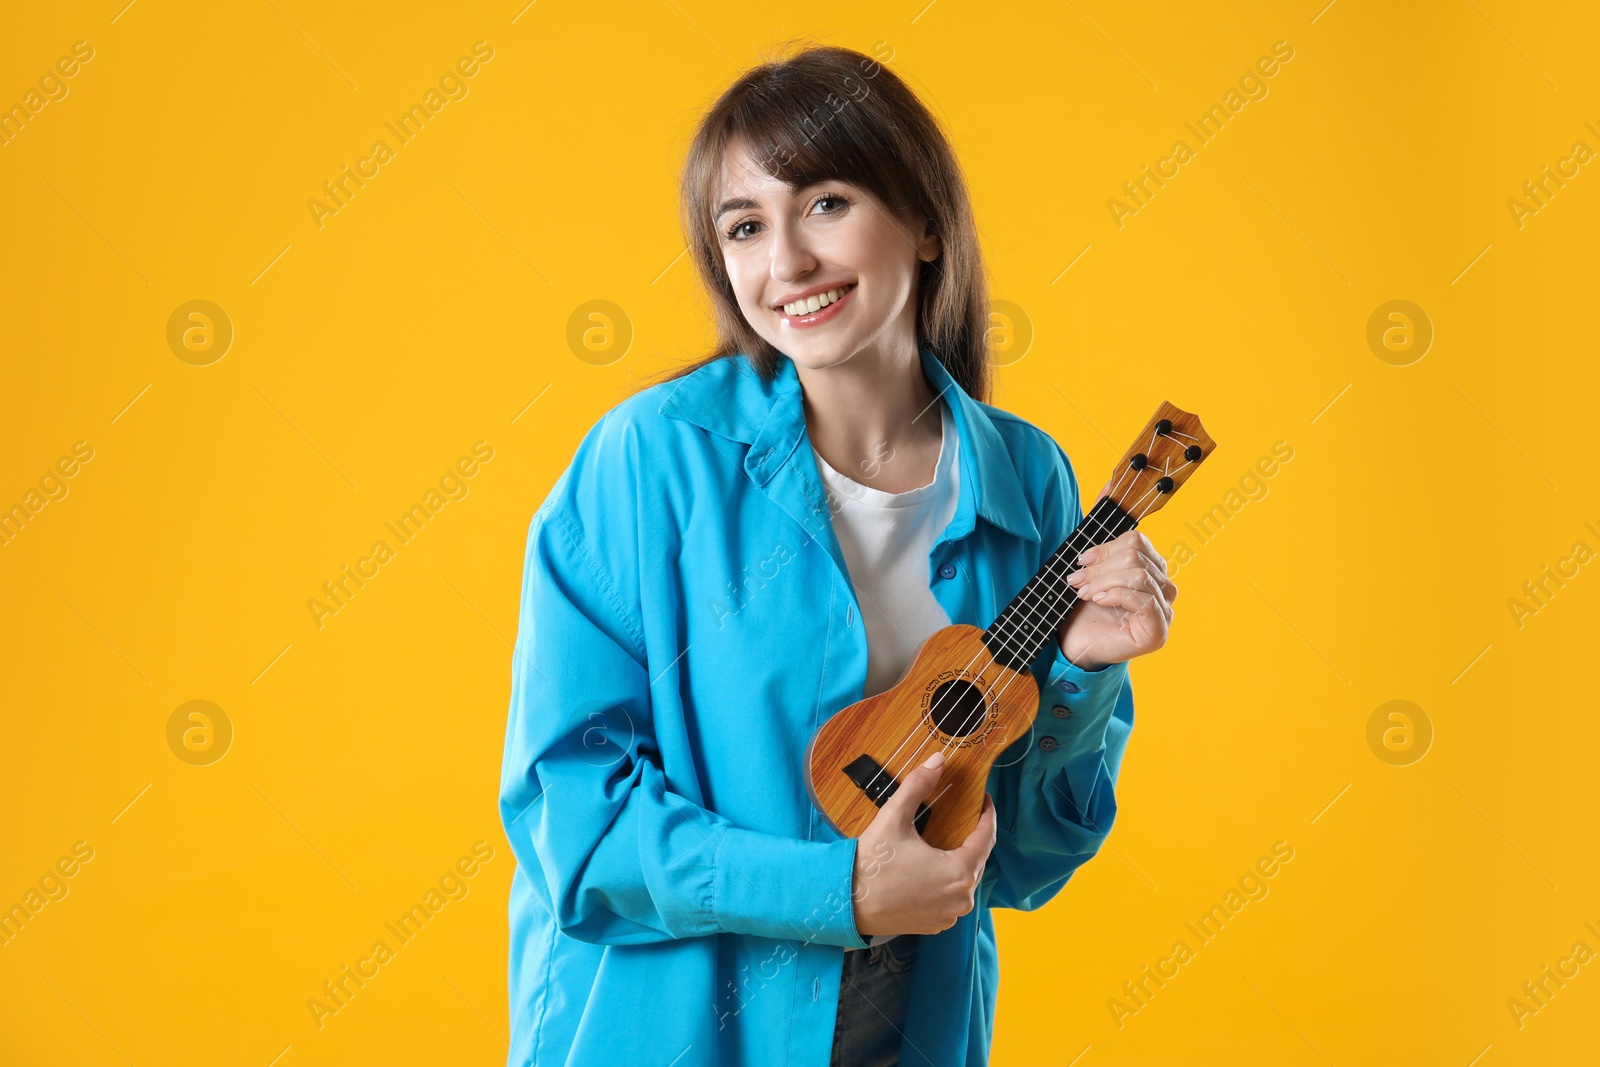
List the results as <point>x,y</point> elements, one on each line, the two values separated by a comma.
<point>830,157</point>
<point>653,787</point>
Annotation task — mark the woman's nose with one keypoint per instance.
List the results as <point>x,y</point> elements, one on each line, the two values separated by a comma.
<point>791,257</point>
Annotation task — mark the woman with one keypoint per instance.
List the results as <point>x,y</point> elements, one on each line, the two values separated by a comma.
<point>744,548</point>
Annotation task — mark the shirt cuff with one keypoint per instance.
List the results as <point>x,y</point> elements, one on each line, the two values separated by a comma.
<point>1075,707</point>
<point>786,888</point>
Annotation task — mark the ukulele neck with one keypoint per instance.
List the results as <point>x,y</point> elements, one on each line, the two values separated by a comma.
<point>1034,615</point>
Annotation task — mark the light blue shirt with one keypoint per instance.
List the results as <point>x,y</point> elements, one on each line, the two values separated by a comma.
<point>687,624</point>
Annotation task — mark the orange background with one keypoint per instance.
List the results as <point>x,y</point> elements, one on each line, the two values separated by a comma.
<point>433,311</point>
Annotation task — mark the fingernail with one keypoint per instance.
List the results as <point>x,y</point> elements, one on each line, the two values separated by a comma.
<point>935,760</point>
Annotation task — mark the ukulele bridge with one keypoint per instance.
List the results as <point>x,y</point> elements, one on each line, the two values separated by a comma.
<point>879,785</point>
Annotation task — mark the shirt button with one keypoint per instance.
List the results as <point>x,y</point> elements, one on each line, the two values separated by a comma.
<point>947,571</point>
<point>1048,744</point>
<point>1069,687</point>
<point>1060,711</point>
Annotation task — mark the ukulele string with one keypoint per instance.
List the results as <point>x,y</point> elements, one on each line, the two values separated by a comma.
<point>1051,570</point>
<point>1048,607</point>
<point>1131,468</point>
<point>1042,608</point>
<point>978,712</point>
<point>1115,486</point>
<point>1100,527</point>
<point>888,764</point>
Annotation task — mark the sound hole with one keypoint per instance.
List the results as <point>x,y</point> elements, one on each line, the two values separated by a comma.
<point>957,708</point>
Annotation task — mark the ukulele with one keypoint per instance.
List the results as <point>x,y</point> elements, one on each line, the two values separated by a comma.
<point>969,692</point>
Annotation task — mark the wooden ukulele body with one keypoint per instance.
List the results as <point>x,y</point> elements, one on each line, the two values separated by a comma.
<point>953,698</point>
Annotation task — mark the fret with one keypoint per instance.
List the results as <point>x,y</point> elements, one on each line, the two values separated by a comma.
<point>1161,460</point>
<point>1034,615</point>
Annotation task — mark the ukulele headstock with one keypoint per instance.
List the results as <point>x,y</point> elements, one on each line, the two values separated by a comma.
<point>1169,449</point>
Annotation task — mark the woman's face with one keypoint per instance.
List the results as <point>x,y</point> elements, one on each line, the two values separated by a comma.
<point>784,246</point>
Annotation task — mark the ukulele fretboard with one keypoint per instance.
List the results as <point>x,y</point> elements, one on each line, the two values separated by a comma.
<point>1034,615</point>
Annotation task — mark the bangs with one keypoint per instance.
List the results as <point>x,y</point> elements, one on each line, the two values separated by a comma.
<point>804,130</point>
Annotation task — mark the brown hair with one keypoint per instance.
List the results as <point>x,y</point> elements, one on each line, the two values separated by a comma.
<point>831,113</point>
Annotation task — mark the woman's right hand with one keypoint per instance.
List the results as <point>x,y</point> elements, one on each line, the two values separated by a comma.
<point>902,884</point>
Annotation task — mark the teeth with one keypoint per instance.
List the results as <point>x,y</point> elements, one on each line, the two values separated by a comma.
<point>815,303</point>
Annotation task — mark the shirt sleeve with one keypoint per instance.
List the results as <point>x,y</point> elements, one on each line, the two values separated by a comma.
<point>1055,788</point>
<point>614,852</point>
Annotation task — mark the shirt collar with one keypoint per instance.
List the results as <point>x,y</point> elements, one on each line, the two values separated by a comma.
<point>728,398</point>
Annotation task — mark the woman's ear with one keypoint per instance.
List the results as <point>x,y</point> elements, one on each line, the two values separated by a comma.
<point>929,247</point>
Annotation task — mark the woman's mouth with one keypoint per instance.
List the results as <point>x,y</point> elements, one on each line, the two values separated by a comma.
<point>817,309</point>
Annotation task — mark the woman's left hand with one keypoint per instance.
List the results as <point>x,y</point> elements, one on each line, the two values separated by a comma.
<point>1127,603</point>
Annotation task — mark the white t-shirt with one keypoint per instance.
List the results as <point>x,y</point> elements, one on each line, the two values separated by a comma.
<point>886,539</point>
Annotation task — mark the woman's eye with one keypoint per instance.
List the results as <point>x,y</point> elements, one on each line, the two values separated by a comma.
<point>736,231</point>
